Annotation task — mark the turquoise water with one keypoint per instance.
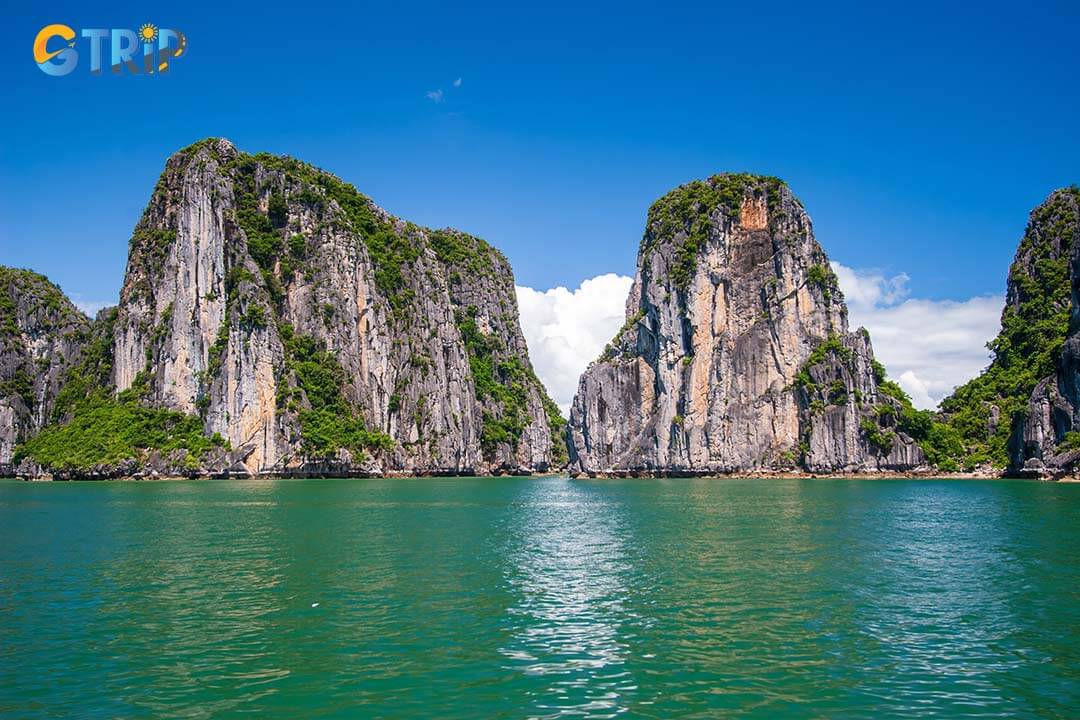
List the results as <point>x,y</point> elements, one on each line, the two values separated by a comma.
<point>519,598</point>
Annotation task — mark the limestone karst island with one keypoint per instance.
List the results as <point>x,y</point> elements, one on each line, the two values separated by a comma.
<point>275,321</point>
<point>605,361</point>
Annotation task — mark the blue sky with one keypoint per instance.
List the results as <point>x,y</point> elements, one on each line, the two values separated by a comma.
<point>918,138</point>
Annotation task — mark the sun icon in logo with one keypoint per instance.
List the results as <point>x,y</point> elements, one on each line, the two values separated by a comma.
<point>148,33</point>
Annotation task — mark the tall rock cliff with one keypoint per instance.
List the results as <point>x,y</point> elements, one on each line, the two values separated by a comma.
<point>41,335</point>
<point>736,355</point>
<point>1023,412</point>
<point>317,333</point>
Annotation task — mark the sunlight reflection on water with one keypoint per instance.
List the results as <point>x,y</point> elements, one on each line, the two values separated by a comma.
<point>567,569</point>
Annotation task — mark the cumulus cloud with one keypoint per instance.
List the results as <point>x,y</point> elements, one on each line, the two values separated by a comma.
<point>567,329</point>
<point>435,96</point>
<point>928,346</point>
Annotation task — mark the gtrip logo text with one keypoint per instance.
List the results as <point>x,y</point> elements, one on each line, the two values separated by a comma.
<point>148,50</point>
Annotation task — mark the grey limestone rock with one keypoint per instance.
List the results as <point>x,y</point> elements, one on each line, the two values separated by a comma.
<point>41,336</point>
<point>736,354</point>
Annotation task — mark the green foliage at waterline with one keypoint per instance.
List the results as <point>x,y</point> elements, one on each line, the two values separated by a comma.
<point>93,428</point>
<point>1033,331</point>
<point>106,432</point>
<point>892,413</point>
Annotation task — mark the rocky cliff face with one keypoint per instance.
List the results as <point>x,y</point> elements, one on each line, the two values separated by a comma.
<point>735,355</point>
<point>1039,345</point>
<point>318,333</point>
<point>41,335</point>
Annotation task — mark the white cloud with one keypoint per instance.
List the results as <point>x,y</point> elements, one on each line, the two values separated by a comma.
<point>566,330</point>
<point>457,83</point>
<point>928,346</point>
<point>90,307</point>
<point>435,96</point>
<point>868,288</point>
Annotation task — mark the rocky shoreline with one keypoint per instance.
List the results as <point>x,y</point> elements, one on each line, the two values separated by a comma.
<point>345,473</point>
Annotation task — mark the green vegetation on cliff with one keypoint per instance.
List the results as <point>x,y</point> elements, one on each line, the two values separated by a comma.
<point>464,252</point>
<point>327,422</point>
<point>893,412</point>
<point>267,188</point>
<point>89,381</point>
<point>42,295</point>
<point>500,380</point>
<point>939,442</point>
<point>560,454</point>
<point>108,432</point>
<point>391,252</point>
<point>686,212</point>
<point>92,428</point>
<point>39,330</point>
<point>823,277</point>
<point>613,348</point>
<point>503,382</point>
<point>1034,326</point>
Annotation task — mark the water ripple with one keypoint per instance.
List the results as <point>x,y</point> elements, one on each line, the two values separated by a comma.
<point>540,598</point>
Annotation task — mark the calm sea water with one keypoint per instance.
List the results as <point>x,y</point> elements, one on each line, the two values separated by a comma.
<point>520,598</point>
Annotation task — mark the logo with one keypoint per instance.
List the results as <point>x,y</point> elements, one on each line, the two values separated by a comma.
<point>144,52</point>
